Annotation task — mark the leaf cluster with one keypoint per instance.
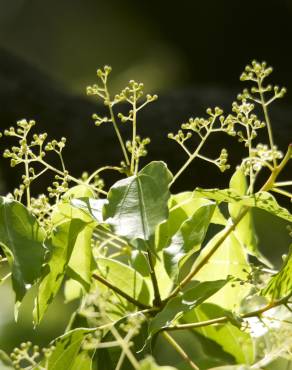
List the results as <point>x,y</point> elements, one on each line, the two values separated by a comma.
<point>144,263</point>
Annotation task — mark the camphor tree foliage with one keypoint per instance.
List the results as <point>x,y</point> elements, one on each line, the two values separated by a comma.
<point>148,266</point>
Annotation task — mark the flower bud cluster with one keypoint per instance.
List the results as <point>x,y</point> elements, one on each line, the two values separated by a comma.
<point>222,160</point>
<point>26,355</point>
<point>244,118</point>
<point>56,146</point>
<point>180,137</point>
<point>59,186</point>
<point>140,147</point>
<point>260,157</point>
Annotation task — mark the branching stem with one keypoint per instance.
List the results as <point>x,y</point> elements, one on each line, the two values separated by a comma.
<point>120,292</point>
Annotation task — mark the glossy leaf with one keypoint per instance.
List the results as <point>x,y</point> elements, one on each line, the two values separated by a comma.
<point>280,285</point>
<point>126,279</point>
<point>185,302</point>
<point>188,239</point>
<point>262,200</point>
<point>245,230</point>
<point>90,206</point>
<point>22,239</point>
<point>233,340</point>
<point>61,244</point>
<point>81,260</point>
<point>137,204</point>
<point>66,350</point>
<point>230,259</point>
<point>181,207</point>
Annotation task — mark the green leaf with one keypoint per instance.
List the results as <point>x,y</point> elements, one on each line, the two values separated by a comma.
<point>262,200</point>
<point>188,239</point>
<point>66,350</point>
<point>91,206</point>
<point>82,362</point>
<point>280,285</point>
<point>149,364</point>
<point>230,259</point>
<point>181,207</point>
<point>22,240</point>
<point>233,340</point>
<point>126,279</point>
<point>81,260</point>
<point>185,302</point>
<point>5,361</point>
<point>245,230</point>
<point>61,243</point>
<point>72,290</point>
<point>138,204</point>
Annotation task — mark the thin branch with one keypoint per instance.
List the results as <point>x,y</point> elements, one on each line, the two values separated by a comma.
<point>282,192</point>
<point>179,350</point>
<point>125,348</point>
<point>223,319</point>
<point>157,298</point>
<point>120,292</point>
<point>283,183</point>
<point>267,119</point>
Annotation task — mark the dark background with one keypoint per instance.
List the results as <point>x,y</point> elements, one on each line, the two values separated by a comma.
<point>167,44</point>
<point>189,52</point>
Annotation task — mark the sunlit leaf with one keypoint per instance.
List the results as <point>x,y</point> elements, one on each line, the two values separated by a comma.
<point>81,260</point>
<point>72,290</point>
<point>138,203</point>
<point>245,230</point>
<point>22,240</point>
<point>188,239</point>
<point>233,340</point>
<point>181,207</point>
<point>262,200</point>
<point>230,259</point>
<point>126,279</point>
<point>66,350</point>
<point>82,362</point>
<point>280,285</point>
<point>61,246</point>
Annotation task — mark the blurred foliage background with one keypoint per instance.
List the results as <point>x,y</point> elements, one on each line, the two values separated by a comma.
<point>167,45</point>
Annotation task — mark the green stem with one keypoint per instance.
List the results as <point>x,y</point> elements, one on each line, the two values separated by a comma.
<point>283,183</point>
<point>119,292</point>
<point>191,158</point>
<point>121,141</point>
<point>267,119</point>
<point>99,170</point>
<point>134,122</point>
<point>27,186</point>
<point>157,298</point>
<point>282,192</point>
<point>180,351</point>
<point>223,319</point>
<point>69,176</point>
